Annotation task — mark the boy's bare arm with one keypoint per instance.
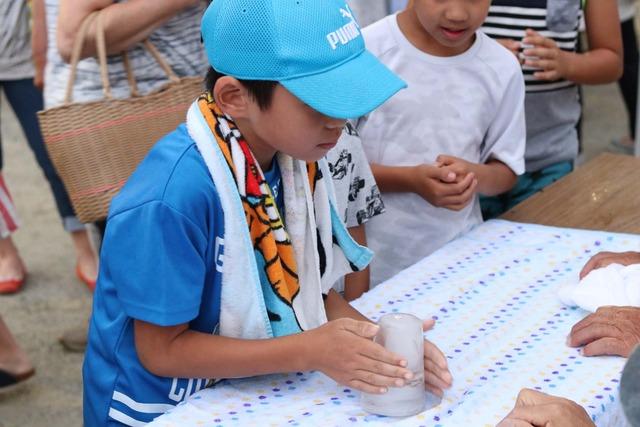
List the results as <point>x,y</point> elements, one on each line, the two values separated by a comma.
<point>494,177</point>
<point>357,283</point>
<point>341,349</point>
<point>125,24</point>
<point>338,308</point>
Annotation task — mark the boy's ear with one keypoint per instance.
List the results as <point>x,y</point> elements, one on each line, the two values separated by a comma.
<point>232,97</point>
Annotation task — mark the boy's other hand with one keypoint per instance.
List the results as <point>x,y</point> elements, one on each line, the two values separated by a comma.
<point>546,56</point>
<point>343,350</point>
<point>443,188</point>
<point>437,377</point>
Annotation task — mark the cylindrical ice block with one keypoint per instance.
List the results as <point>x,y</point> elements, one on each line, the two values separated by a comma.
<point>402,334</point>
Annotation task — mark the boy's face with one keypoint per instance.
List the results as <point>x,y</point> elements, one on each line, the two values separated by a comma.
<point>450,23</point>
<point>292,127</point>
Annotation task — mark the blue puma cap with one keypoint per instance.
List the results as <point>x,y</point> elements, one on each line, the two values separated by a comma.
<point>314,48</point>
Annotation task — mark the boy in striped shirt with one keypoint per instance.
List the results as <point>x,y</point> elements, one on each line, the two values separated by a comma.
<point>543,35</point>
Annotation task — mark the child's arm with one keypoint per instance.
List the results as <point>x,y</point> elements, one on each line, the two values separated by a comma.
<point>439,186</point>
<point>601,64</point>
<point>342,349</point>
<point>357,283</point>
<point>494,177</point>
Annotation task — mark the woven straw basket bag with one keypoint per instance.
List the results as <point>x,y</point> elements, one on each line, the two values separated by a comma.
<point>95,146</point>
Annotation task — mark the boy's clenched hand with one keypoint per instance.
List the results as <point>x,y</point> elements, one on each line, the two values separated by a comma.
<point>443,187</point>
<point>343,349</point>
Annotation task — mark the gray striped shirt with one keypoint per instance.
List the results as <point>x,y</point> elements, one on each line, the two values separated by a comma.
<point>15,41</point>
<point>178,40</point>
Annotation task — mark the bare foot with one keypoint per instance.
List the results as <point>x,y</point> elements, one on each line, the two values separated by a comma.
<point>13,359</point>
<point>85,255</point>
<point>11,265</point>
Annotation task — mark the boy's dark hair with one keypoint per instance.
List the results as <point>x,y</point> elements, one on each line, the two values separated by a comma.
<point>260,90</point>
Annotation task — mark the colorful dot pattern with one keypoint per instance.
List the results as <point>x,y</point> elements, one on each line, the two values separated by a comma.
<point>499,322</point>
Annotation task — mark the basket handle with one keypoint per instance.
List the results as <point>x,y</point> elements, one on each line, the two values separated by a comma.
<point>75,55</point>
<point>164,65</point>
<point>101,50</point>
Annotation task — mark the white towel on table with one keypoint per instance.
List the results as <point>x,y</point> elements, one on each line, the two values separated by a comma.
<point>615,285</point>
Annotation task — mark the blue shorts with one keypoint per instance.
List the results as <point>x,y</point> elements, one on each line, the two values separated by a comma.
<point>528,185</point>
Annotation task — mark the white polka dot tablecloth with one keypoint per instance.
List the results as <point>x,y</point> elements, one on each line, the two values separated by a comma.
<point>499,321</point>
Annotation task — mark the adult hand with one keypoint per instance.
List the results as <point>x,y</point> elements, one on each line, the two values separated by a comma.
<point>546,56</point>
<point>437,377</point>
<point>603,259</point>
<point>535,409</point>
<point>608,331</point>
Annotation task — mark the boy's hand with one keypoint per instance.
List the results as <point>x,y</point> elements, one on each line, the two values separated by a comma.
<point>463,169</point>
<point>343,349</point>
<point>443,188</point>
<point>459,166</point>
<point>437,377</point>
<point>547,56</point>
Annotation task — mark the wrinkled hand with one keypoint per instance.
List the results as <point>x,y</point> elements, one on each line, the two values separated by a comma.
<point>546,56</point>
<point>535,409</point>
<point>603,259</point>
<point>437,377</point>
<point>343,350</point>
<point>608,331</point>
<point>443,188</point>
<point>513,47</point>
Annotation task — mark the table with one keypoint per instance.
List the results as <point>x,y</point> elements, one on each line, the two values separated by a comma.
<point>601,195</point>
<point>500,324</point>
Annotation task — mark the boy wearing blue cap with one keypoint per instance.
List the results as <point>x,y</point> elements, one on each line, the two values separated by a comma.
<point>221,251</point>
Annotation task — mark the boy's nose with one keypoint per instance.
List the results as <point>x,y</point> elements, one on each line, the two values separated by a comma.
<point>456,12</point>
<point>336,124</point>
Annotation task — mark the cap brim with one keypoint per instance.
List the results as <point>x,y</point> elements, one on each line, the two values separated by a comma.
<point>348,91</point>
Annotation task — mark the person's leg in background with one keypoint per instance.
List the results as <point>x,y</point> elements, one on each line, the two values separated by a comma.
<point>628,83</point>
<point>26,101</point>
<point>14,362</point>
<point>12,270</point>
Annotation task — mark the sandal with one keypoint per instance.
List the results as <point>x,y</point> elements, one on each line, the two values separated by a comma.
<point>91,284</point>
<point>12,286</point>
<point>9,380</point>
